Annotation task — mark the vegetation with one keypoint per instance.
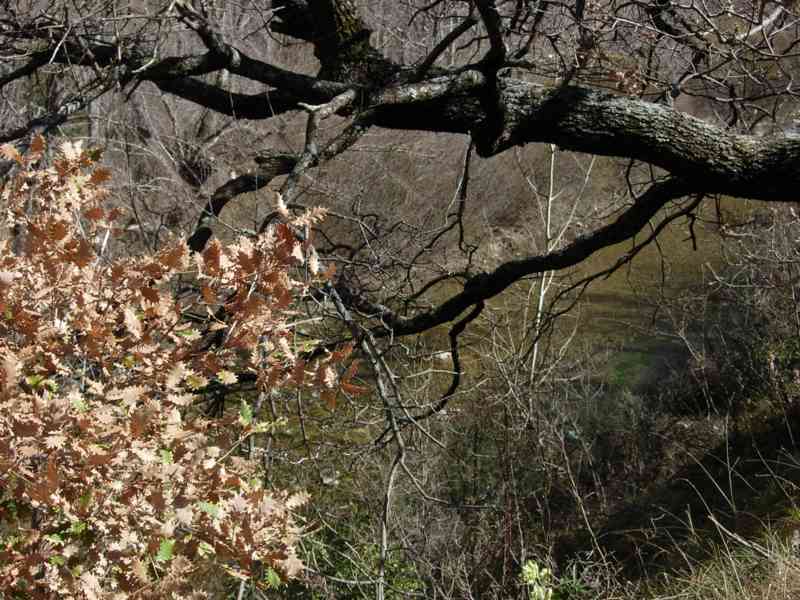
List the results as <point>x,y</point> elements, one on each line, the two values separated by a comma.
<point>544,344</point>
<point>112,480</point>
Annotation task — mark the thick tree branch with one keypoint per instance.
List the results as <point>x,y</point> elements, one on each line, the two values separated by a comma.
<point>36,61</point>
<point>271,165</point>
<point>234,60</point>
<point>494,27</point>
<point>172,74</point>
<point>340,38</point>
<point>264,105</point>
<point>337,24</point>
<point>295,19</point>
<point>310,156</point>
<point>576,118</point>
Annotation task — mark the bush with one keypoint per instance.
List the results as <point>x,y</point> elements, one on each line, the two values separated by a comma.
<point>112,483</point>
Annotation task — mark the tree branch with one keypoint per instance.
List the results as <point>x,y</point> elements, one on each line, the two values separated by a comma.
<point>271,165</point>
<point>584,120</point>
<point>263,105</point>
<point>494,27</point>
<point>443,45</point>
<point>487,285</point>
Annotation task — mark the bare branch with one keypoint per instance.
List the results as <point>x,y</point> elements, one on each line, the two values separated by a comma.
<point>494,27</point>
<point>487,285</point>
<point>443,45</point>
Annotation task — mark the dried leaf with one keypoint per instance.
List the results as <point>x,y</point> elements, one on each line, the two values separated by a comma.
<point>94,214</point>
<point>209,297</point>
<point>354,390</point>
<point>9,152</point>
<point>11,368</point>
<point>313,261</point>
<point>7,278</point>
<point>140,572</point>
<point>72,150</point>
<point>100,176</point>
<point>283,210</point>
<point>211,258</point>
<point>37,144</point>
<point>132,322</point>
<point>227,377</point>
<point>329,398</point>
<point>175,257</point>
<point>297,253</point>
<point>150,294</point>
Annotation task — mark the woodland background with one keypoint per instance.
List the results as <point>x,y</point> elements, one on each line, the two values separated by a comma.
<point>628,423</point>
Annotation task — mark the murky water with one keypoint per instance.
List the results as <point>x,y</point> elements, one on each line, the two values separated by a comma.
<point>626,309</point>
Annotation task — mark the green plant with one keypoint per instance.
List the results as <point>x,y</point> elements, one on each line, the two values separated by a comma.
<point>538,580</point>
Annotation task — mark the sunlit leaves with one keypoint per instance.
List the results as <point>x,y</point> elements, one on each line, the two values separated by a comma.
<point>227,377</point>
<point>209,508</point>
<point>105,372</point>
<point>9,152</point>
<point>132,322</point>
<point>196,382</point>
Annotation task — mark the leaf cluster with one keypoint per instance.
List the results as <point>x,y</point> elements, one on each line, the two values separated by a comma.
<point>113,483</point>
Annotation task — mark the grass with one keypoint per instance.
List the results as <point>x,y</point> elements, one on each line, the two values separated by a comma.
<point>764,569</point>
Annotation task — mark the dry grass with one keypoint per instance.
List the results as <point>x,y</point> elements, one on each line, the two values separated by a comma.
<point>740,569</point>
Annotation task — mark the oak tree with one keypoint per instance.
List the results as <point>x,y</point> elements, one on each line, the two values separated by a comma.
<point>605,78</point>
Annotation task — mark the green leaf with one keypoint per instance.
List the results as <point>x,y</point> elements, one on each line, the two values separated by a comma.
<point>34,380</point>
<point>166,457</point>
<point>209,508</point>
<point>309,345</point>
<point>188,333</point>
<point>196,382</point>
<point>95,154</point>
<point>272,579</point>
<point>262,427</point>
<point>55,538</point>
<point>80,405</point>
<point>57,560</point>
<point>245,413</point>
<point>205,550</point>
<point>165,550</point>
<point>77,527</point>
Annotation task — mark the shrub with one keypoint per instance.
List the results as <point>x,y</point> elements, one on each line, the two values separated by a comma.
<point>112,483</point>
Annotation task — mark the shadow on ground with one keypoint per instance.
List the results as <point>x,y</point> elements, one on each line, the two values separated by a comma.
<point>745,481</point>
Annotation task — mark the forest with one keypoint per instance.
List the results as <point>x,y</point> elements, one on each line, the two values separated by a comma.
<point>442,299</point>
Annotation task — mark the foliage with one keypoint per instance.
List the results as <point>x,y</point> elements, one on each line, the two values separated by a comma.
<point>112,483</point>
<point>543,585</point>
<point>539,581</point>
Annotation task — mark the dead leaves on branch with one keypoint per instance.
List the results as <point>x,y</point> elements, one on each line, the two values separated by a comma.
<point>117,485</point>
